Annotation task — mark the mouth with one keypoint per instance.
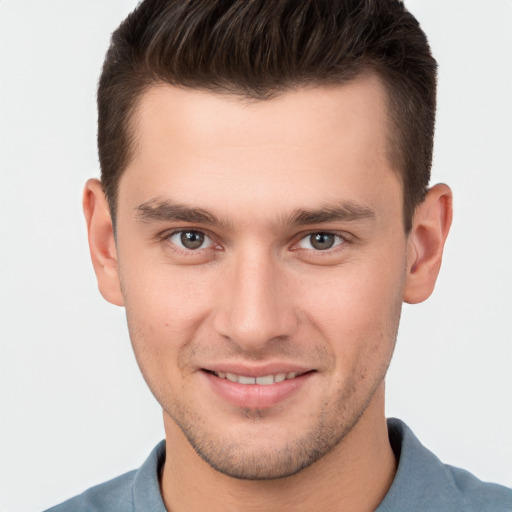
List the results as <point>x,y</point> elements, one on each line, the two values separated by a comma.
<point>261,391</point>
<point>264,380</point>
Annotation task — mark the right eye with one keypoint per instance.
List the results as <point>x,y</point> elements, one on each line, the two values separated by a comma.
<point>190,240</point>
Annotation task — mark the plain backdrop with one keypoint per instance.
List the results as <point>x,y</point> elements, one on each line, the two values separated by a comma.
<point>74,410</point>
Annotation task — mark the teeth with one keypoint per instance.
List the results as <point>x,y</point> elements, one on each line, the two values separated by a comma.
<point>246,380</point>
<point>266,380</point>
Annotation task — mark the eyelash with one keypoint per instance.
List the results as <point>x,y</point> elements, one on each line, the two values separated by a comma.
<point>342,237</point>
<point>339,240</point>
<point>166,239</point>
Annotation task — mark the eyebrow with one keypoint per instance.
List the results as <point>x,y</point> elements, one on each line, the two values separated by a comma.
<point>164,210</point>
<point>343,211</point>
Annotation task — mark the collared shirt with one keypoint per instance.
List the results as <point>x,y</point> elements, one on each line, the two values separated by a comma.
<point>422,483</point>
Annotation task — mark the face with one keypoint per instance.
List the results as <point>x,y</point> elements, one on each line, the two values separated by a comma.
<point>262,256</point>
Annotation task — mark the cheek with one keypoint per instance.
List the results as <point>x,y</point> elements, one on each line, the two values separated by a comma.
<point>357,310</point>
<point>165,297</point>
<point>165,307</point>
<point>163,311</point>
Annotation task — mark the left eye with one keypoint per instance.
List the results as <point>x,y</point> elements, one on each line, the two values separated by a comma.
<point>190,240</point>
<point>321,241</point>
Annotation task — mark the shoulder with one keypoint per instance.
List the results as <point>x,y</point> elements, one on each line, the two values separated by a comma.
<point>423,482</point>
<point>114,495</point>
<point>477,495</point>
<point>134,491</point>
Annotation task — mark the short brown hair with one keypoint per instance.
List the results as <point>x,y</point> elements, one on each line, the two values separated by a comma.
<point>260,48</point>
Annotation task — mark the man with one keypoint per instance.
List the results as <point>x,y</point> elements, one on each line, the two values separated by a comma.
<point>262,215</point>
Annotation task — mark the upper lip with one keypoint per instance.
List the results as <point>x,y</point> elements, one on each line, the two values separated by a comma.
<point>257,370</point>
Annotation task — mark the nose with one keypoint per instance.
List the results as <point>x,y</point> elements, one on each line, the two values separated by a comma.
<point>256,306</point>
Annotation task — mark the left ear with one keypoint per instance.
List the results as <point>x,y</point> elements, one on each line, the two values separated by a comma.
<point>425,244</point>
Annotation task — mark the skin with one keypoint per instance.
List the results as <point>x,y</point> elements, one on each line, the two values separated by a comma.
<point>258,293</point>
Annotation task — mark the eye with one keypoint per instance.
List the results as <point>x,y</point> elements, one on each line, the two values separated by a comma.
<point>190,240</point>
<point>320,241</point>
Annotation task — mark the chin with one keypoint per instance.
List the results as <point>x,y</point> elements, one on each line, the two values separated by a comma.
<point>259,452</point>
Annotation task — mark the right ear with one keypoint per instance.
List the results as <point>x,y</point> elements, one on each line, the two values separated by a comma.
<point>102,242</point>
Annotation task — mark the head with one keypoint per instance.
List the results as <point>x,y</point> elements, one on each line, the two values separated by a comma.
<point>258,161</point>
<point>260,49</point>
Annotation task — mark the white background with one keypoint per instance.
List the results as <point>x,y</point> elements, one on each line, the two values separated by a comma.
<point>74,409</point>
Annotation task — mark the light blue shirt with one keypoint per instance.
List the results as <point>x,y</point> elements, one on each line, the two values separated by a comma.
<point>422,483</point>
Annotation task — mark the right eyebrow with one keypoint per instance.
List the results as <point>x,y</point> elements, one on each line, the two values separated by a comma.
<point>164,210</point>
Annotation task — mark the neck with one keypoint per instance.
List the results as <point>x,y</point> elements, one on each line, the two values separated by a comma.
<point>354,476</point>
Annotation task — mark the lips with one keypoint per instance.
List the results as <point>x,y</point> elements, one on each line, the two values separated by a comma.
<point>259,388</point>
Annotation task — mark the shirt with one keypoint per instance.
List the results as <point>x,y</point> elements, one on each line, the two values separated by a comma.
<point>422,483</point>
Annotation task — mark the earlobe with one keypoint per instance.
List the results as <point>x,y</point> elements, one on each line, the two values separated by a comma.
<point>102,242</point>
<point>431,224</point>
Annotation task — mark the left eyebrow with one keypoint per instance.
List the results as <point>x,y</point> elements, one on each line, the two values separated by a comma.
<point>344,211</point>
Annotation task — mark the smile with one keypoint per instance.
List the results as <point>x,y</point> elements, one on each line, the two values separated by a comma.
<point>265,380</point>
<point>261,390</point>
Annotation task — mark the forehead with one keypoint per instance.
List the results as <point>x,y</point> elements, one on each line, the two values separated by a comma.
<point>293,148</point>
<point>193,116</point>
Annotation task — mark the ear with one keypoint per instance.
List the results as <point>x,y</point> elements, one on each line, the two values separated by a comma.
<point>425,244</point>
<point>101,242</point>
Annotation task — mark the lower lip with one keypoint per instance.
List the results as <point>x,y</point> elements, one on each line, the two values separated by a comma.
<point>256,396</point>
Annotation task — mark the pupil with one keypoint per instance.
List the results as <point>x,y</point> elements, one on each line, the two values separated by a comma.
<point>192,239</point>
<point>322,241</point>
